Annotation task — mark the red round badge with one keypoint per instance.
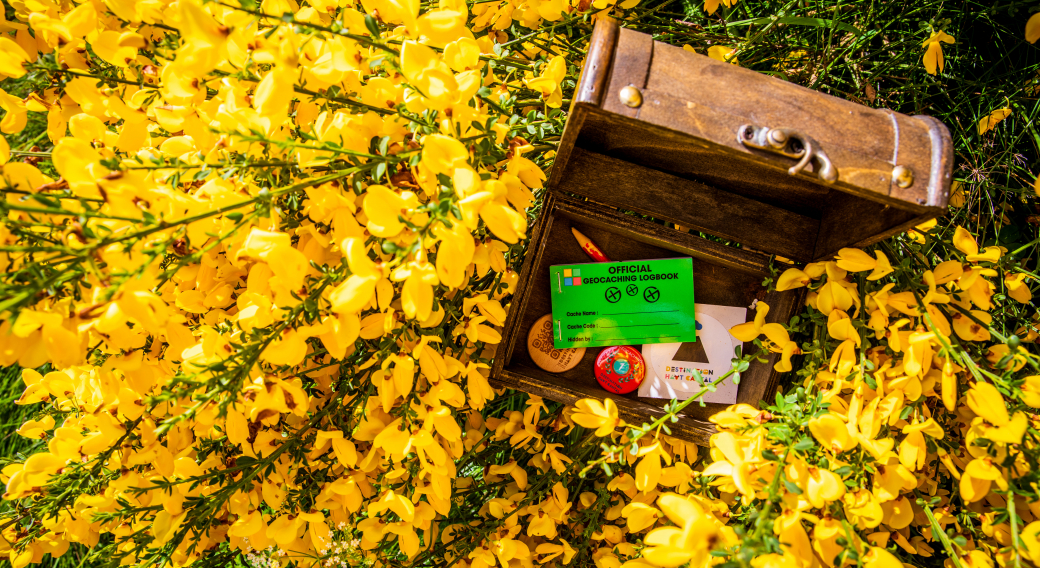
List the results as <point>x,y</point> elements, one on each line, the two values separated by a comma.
<point>620,369</point>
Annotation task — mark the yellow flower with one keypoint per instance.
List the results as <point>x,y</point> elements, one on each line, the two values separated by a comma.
<point>825,534</point>
<point>548,83</point>
<point>445,26</point>
<point>964,242</point>
<point>1033,28</point>
<point>710,6</point>
<point>957,194</point>
<point>737,463</point>
<point>913,449</point>
<point>735,415</point>
<point>384,209</point>
<point>986,401</point>
<point>1012,432</point>
<point>477,385</point>
<point>990,121</point>
<point>640,516</point>
<point>723,53</point>
<point>774,560</point>
<point>933,55</point>
<point>892,480</point>
<point>855,260</point>
<point>842,328</point>
<point>882,267</point>
<point>648,470</point>
<point>425,71</point>
<point>462,54</point>
<point>554,550</point>
<point>823,486</point>
<point>792,278</point>
<point>417,293</point>
<point>833,295</point>
<point>289,349</point>
<point>1030,534</point>
<point>1017,287</point>
<point>832,433</point>
<point>12,58</point>
<point>863,509</point>
<point>750,330</point>
<point>358,290</point>
<point>443,154</point>
<point>878,557</point>
<point>595,415</point>
<point>977,477</point>
<point>205,40</point>
<point>968,329</point>
<point>989,254</point>
<point>36,428</point>
<point>1030,391</point>
<point>690,541</point>
<point>778,335</point>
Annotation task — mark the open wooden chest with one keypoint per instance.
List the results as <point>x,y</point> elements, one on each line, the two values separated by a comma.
<point>660,136</point>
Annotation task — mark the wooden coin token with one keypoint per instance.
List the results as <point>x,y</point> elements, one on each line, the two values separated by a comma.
<point>540,347</point>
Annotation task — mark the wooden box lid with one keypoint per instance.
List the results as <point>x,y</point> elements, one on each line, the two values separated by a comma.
<point>679,136</point>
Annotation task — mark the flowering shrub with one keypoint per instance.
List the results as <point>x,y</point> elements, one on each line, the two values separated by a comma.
<point>254,257</point>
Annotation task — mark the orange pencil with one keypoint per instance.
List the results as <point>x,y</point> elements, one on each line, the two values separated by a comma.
<point>589,247</point>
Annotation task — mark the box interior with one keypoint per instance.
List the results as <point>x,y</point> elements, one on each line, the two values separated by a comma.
<point>715,283</point>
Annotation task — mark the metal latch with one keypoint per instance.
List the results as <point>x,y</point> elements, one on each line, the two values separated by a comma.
<point>792,144</point>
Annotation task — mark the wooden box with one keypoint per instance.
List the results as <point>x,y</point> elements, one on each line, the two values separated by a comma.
<point>678,137</point>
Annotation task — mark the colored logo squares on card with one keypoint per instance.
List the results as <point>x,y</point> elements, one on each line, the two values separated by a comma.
<point>571,277</point>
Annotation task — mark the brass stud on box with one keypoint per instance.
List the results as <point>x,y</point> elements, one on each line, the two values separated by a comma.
<point>630,96</point>
<point>903,176</point>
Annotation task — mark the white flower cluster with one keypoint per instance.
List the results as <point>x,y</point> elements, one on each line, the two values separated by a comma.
<point>264,558</point>
<point>343,552</point>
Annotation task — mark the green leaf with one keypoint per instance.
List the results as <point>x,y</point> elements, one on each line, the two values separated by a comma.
<point>372,25</point>
<point>804,445</point>
<point>799,21</point>
<point>45,200</point>
<point>792,488</point>
<point>871,382</point>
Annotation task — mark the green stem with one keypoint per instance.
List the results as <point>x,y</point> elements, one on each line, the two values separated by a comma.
<point>937,531</point>
<point>1016,543</point>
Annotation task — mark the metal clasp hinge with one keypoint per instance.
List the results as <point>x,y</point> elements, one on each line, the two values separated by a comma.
<point>792,144</point>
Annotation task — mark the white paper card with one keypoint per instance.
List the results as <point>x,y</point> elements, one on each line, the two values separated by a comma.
<point>669,376</point>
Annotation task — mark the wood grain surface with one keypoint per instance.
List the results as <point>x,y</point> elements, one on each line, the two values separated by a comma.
<point>687,127</point>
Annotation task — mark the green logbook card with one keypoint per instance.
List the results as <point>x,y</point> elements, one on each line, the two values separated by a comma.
<point>623,303</point>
